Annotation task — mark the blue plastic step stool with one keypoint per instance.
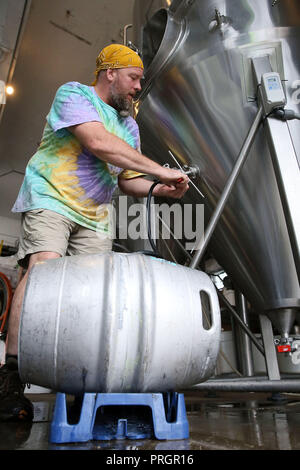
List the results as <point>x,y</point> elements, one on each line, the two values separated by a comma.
<point>99,417</point>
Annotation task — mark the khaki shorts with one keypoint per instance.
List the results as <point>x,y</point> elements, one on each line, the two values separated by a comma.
<point>45,230</point>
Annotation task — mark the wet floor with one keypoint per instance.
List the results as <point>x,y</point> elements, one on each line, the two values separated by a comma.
<point>227,421</point>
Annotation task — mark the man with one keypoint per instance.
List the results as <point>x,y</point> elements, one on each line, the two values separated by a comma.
<point>89,146</point>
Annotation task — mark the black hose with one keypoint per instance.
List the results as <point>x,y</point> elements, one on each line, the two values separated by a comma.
<point>153,245</point>
<point>285,114</point>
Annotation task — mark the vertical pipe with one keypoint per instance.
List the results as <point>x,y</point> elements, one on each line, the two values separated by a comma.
<point>241,323</point>
<point>245,343</point>
<point>126,27</point>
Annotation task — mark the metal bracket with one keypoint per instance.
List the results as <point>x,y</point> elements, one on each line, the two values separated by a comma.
<point>285,165</point>
<point>270,351</point>
<point>200,250</point>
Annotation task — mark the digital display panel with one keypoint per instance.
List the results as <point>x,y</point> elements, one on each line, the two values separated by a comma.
<point>273,83</point>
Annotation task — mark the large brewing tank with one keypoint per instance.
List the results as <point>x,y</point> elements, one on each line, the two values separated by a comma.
<point>197,105</point>
<point>118,323</point>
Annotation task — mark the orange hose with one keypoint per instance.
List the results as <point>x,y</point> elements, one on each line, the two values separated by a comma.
<point>8,287</point>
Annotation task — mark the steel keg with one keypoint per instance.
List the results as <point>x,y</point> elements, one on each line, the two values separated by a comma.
<point>117,322</point>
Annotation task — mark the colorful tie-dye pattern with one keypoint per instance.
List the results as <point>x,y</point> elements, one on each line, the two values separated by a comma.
<point>65,177</point>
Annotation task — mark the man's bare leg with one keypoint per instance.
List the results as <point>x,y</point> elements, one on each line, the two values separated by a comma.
<point>14,405</point>
<point>16,307</point>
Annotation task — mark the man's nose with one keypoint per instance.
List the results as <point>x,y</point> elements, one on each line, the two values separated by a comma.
<point>138,86</point>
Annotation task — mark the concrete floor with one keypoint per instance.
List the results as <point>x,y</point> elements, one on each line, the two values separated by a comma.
<point>228,421</point>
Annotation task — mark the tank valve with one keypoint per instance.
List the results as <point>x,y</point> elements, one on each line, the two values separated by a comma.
<point>284,348</point>
<point>191,171</point>
<point>218,22</point>
<point>285,345</point>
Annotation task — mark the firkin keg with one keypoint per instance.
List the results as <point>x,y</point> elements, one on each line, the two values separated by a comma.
<point>115,322</point>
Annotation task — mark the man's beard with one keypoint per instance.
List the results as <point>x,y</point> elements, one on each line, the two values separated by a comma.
<point>121,103</point>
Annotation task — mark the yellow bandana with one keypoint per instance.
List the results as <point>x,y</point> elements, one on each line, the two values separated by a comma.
<point>117,56</point>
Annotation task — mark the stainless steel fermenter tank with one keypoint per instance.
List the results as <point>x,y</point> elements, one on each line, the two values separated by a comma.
<point>199,100</point>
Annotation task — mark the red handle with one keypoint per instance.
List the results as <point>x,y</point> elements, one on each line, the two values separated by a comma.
<point>284,348</point>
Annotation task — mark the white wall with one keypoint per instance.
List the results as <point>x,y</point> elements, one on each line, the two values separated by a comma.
<point>9,231</point>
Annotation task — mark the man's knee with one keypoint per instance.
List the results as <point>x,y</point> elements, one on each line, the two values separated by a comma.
<point>41,256</point>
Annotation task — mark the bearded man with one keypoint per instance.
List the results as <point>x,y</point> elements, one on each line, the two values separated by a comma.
<point>90,145</point>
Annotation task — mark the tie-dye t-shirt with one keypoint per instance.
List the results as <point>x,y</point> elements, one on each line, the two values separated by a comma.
<point>65,177</point>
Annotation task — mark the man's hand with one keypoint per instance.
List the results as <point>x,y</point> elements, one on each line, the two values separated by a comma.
<point>175,192</point>
<point>172,177</point>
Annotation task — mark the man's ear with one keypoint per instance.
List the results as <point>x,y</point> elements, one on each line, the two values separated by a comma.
<point>110,74</point>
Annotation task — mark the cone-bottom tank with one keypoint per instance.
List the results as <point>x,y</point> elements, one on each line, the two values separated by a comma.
<point>199,100</point>
<point>117,323</point>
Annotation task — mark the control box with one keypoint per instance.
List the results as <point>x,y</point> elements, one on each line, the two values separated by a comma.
<point>273,95</point>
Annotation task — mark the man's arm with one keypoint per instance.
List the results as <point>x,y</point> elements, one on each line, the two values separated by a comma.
<point>111,149</point>
<point>139,187</point>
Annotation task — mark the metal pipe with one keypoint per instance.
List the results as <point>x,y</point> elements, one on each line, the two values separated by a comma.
<point>228,188</point>
<point>260,377</point>
<point>241,323</point>
<point>127,26</point>
<point>246,356</point>
<point>246,385</point>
